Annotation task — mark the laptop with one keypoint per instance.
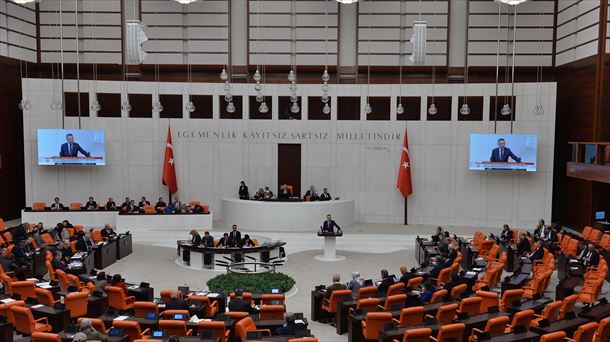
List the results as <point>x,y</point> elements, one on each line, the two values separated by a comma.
<point>183,289</point>
<point>368,282</point>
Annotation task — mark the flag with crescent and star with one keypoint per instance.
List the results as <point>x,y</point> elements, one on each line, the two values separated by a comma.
<point>169,165</point>
<point>404,172</point>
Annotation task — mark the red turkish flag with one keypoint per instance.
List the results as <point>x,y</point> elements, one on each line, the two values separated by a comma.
<point>169,166</point>
<point>404,172</point>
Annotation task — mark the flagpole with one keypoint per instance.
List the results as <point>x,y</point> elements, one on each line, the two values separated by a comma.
<point>406,222</point>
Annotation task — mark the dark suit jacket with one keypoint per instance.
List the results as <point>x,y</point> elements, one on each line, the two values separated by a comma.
<point>314,196</point>
<point>506,236</point>
<point>160,205</point>
<point>196,240</point>
<point>207,242</point>
<point>83,245</point>
<point>329,226</point>
<point>234,238</point>
<point>58,265</point>
<point>325,197</point>
<point>65,152</point>
<point>406,277</point>
<point>241,305</point>
<point>334,287</point>
<point>593,259</point>
<point>177,304</point>
<point>243,192</point>
<point>523,246</point>
<point>57,206</point>
<point>93,204</point>
<point>284,193</point>
<point>495,155</point>
<point>451,257</point>
<point>385,284</point>
<point>290,329</point>
<point>538,254</point>
<point>108,233</point>
<point>222,242</point>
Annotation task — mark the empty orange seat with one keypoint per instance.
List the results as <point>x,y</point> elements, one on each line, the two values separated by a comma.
<point>246,325</point>
<point>39,206</point>
<point>217,327</point>
<point>330,304</point>
<point>76,206</point>
<point>25,322</point>
<point>411,316</point>
<point>374,322</point>
<point>271,312</point>
<point>367,292</point>
<point>45,337</point>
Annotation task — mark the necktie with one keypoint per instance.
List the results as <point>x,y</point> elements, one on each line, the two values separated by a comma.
<point>501,153</point>
<point>70,149</point>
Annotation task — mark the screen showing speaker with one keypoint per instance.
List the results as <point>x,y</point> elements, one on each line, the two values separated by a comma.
<point>503,152</point>
<point>71,147</point>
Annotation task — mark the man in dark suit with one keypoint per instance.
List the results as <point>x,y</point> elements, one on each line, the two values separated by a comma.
<point>591,257</point>
<point>539,228</point>
<point>160,204</point>
<point>57,263</point>
<point>143,202</point>
<point>240,305</point>
<point>524,244</point>
<point>108,232</point>
<point>507,235</point>
<point>329,225</point>
<point>549,236</point>
<point>243,191</point>
<point>83,243</point>
<point>234,237</point>
<point>224,241</point>
<point>325,196</point>
<point>538,254</point>
<point>207,240</point>
<point>284,192</point>
<point>71,149</point>
<point>502,153</point>
<point>385,283</point>
<point>91,204</point>
<point>451,255</point>
<point>336,285</point>
<point>176,303</point>
<point>290,328</point>
<point>406,275</point>
<point>57,205</point>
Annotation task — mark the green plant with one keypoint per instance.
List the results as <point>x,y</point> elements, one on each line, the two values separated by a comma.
<point>255,283</point>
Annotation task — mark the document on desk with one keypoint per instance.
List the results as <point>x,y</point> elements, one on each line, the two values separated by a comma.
<point>299,321</point>
<point>44,285</point>
<point>121,318</point>
<point>37,306</point>
<point>213,295</point>
<point>7,300</point>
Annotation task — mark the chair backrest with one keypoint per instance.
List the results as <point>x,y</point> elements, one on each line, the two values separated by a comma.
<point>522,318</point>
<point>395,289</point>
<point>417,335</point>
<point>497,325</point>
<point>149,209</point>
<point>510,296</point>
<point>2,225</point>
<point>39,206</point>
<point>411,316</point>
<point>271,312</point>
<point>368,304</point>
<point>236,315</point>
<point>5,310</point>
<point>144,308</point>
<point>77,303</point>
<point>129,328</point>
<point>375,321</point>
<point>24,320</point>
<point>116,297</point>
<point>367,292</point>
<point>44,297</point>
<point>438,296</point>
<point>47,238</point>
<point>569,303</point>
<point>217,327</point>
<point>446,313</point>
<point>585,332</point>
<point>457,290</point>
<point>415,282</point>
<point>335,297</point>
<point>451,331</point>
<point>76,206</point>
<point>243,326</point>
<point>166,295</point>
<point>96,235</point>
<point>395,302</point>
<point>246,296</point>
<point>63,280</point>
<point>558,336</point>
<point>488,299</point>
<point>444,276</point>
<point>470,306</point>
<point>45,337</point>
<point>97,323</point>
<point>551,311</point>
<point>173,327</point>
<point>271,298</point>
<point>23,288</point>
<point>603,330</point>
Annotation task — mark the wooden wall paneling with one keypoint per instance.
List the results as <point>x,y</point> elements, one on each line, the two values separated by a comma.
<point>381,108</point>
<point>497,106</point>
<point>72,104</point>
<point>476,108</point>
<point>141,105</point>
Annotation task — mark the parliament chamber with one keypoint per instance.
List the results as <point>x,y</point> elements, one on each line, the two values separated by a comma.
<point>304,170</point>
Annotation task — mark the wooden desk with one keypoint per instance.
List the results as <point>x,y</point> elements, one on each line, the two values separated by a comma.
<point>566,325</point>
<point>142,294</point>
<point>534,304</point>
<point>145,323</point>
<point>316,305</point>
<point>597,313</point>
<point>39,267</point>
<point>341,318</point>
<point>97,306</point>
<point>515,281</point>
<point>479,321</point>
<point>6,332</point>
<point>512,261</point>
<point>390,335</point>
<point>58,319</point>
<point>124,246</point>
<point>105,254</point>
<point>566,287</point>
<point>431,309</point>
<point>88,265</point>
<point>516,337</point>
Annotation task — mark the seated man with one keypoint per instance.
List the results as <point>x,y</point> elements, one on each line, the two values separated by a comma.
<point>524,244</point>
<point>311,193</point>
<point>143,202</point>
<point>176,303</point>
<point>110,205</point>
<point>290,327</point>
<point>329,225</point>
<point>284,192</point>
<point>451,255</point>
<point>57,205</point>
<point>325,196</point>
<point>126,206</point>
<point>336,285</point>
<point>441,264</point>
<point>207,240</point>
<point>438,236</point>
<point>243,191</point>
<point>385,283</point>
<point>57,262</point>
<point>108,232</point>
<point>240,305</point>
<point>591,256</point>
<point>86,328</point>
<point>268,193</point>
<point>259,195</point>
<point>91,204</point>
<point>160,204</point>
<point>224,241</point>
<point>506,236</point>
<point>538,253</point>
<point>406,275</point>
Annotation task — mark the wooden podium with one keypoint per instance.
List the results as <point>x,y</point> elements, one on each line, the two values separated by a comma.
<point>330,246</point>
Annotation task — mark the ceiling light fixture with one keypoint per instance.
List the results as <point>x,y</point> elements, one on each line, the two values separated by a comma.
<point>346,2</point>
<point>185,2</point>
<point>511,2</point>
<point>25,1</point>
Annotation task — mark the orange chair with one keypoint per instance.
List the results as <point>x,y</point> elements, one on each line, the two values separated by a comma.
<point>217,327</point>
<point>173,327</point>
<point>236,315</point>
<point>521,318</point>
<point>494,326</point>
<point>5,310</point>
<point>415,282</point>
<point>25,322</point>
<point>410,316</point>
<point>77,303</point>
<point>246,325</point>
<point>144,308</point>
<point>367,292</point>
<point>97,323</point>
<point>470,306</point>
<point>394,303</point>
<point>96,235</point>
<point>488,299</point>
<point>45,337</point>
<point>271,312</point>
<point>438,296</point>
<point>368,304</point>
<point>330,305</point>
<point>149,209</point>
<point>166,295</point>
<point>444,277</point>
<point>211,308</point>
<point>395,289</point>
<point>550,313</point>
<point>445,314</point>
<point>569,303</point>
<point>374,322</point>
<point>558,336</point>
<point>47,238</point>
<point>416,335</point>
<point>585,332</point>
<point>39,206</point>
<point>603,331</point>
<point>246,296</point>
<point>44,297</point>
<point>74,281</point>
<point>450,331</point>
<point>458,290</point>
<point>118,300</point>
<point>25,289</point>
<point>510,296</point>
<point>76,206</point>
<point>8,237</point>
<point>62,278</point>
<point>2,225</point>
<point>273,299</point>
<point>131,329</point>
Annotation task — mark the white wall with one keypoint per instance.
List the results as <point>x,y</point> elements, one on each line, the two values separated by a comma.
<point>445,192</point>
<point>17,31</point>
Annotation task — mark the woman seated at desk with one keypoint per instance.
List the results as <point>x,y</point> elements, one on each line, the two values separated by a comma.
<point>195,238</point>
<point>247,242</point>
